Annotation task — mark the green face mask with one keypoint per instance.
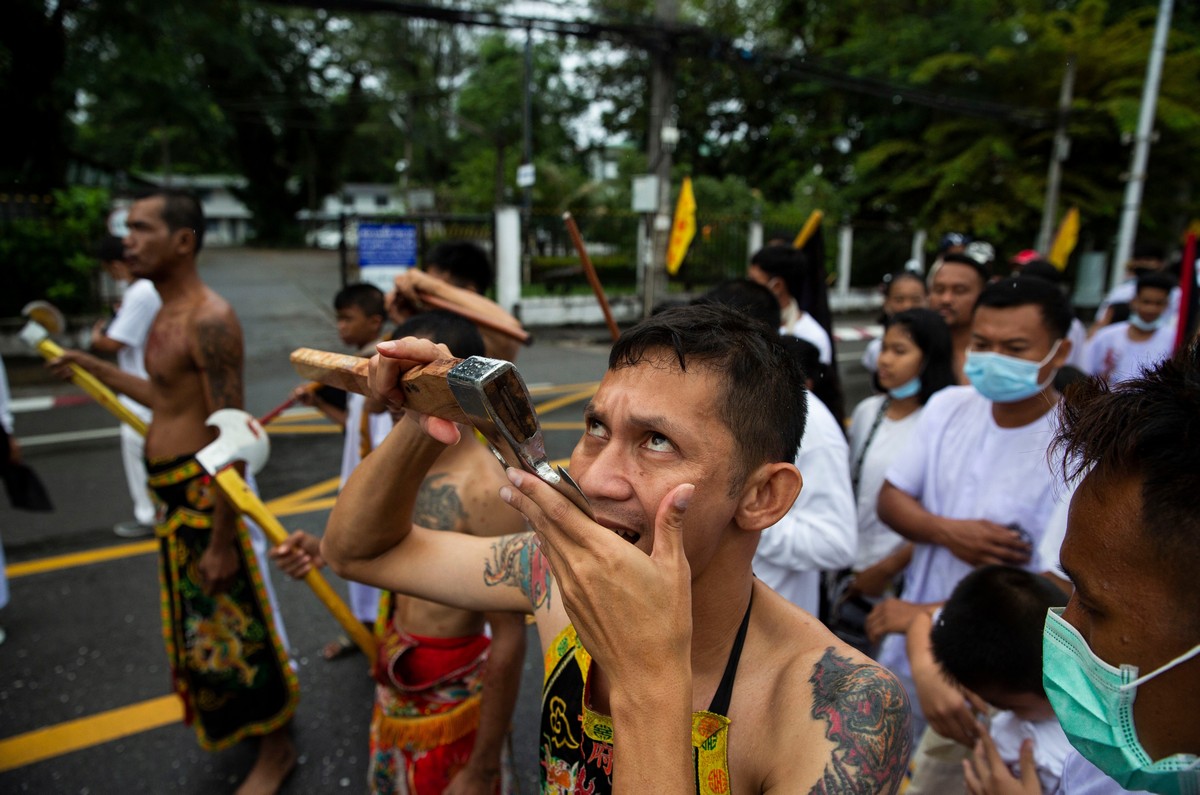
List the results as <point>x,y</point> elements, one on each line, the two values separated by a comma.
<point>1094,703</point>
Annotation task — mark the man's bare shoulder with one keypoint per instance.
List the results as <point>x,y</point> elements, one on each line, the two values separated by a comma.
<point>843,722</point>
<point>209,310</point>
<point>463,495</point>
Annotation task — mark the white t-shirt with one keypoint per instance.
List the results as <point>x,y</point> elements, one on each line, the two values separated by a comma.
<point>818,533</point>
<point>960,464</point>
<point>1078,337</point>
<point>1126,291</point>
<point>378,427</point>
<point>1050,747</point>
<point>1081,777</point>
<point>6,415</point>
<point>130,327</point>
<point>875,539</point>
<point>870,357</point>
<point>808,329</point>
<point>1116,358</point>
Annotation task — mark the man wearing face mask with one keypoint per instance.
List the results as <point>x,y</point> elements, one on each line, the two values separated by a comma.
<point>974,486</point>
<point>1121,663</point>
<point>1120,351</point>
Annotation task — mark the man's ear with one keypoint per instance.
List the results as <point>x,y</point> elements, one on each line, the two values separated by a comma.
<point>767,496</point>
<point>185,241</point>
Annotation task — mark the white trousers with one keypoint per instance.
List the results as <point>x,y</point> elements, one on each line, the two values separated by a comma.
<point>132,446</point>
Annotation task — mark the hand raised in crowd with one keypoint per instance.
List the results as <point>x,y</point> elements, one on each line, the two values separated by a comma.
<point>304,395</point>
<point>393,360</point>
<point>298,555</point>
<point>980,542</point>
<point>404,299</point>
<point>950,710</point>
<point>986,774</point>
<point>619,598</point>
<point>891,615</point>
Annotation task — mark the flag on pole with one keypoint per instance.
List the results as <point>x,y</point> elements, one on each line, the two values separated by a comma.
<point>683,229</point>
<point>1065,239</point>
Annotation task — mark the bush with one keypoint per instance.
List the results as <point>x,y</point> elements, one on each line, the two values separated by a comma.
<point>48,253</point>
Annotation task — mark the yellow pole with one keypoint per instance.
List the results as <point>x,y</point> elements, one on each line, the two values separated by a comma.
<point>810,226</point>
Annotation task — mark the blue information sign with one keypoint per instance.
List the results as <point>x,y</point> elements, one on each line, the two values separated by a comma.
<point>387,244</point>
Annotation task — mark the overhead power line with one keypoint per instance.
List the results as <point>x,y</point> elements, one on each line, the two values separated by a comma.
<point>685,39</point>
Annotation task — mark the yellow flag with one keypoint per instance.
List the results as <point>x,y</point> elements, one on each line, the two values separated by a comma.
<point>1065,239</point>
<point>683,229</point>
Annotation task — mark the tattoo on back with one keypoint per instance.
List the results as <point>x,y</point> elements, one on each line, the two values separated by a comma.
<point>518,560</point>
<point>868,719</point>
<point>221,359</point>
<point>438,506</point>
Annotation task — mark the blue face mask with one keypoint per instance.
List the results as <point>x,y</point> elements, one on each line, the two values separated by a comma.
<point>1094,703</point>
<point>1006,379</point>
<point>907,389</point>
<point>1136,321</point>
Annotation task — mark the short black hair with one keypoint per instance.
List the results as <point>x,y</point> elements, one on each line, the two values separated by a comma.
<point>181,210</point>
<point>1025,291</point>
<point>1150,250</point>
<point>1041,269</point>
<point>748,296</point>
<point>1146,428</point>
<point>1155,280</point>
<point>890,280</point>
<point>467,264</point>
<point>763,403</point>
<point>457,333</point>
<point>931,334</point>
<point>989,632</point>
<point>785,262</point>
<point>110,248</point>
<point>984,272</point>
<point>366,297</point>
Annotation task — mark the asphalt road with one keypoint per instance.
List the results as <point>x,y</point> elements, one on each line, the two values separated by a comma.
<point>84,685</point>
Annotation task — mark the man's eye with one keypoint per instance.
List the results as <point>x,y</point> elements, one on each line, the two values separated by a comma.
<point>659,443</point>
<point>596,428</point>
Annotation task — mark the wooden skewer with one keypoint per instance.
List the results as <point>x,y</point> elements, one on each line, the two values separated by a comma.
<point>519,334</point>
<point>426,389</point>
<point>593,278</point>
<point>311,386</point>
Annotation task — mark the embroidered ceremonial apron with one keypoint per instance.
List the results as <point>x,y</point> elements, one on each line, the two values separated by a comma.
<point>227,663</point>
<point>577,742</point>
<point>426,714</point>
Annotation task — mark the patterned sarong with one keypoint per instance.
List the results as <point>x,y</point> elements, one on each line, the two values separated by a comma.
<point>426,713</point>
<point>227,663</point>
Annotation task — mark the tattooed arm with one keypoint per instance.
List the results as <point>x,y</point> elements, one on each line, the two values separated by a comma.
<point>217,351</point>
<point>867,718</point>
<point>371,536</point>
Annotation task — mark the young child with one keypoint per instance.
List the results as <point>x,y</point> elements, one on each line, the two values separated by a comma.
<point>360,318</point>
<point>987,639</point>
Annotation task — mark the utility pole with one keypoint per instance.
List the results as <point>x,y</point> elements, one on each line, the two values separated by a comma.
<point>1141,148</point>
<point>662,92</point>
<point>527,191</point>
<point>1059,153</point>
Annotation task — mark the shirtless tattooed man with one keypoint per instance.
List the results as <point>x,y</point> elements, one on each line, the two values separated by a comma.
<point>228,661</point>
<point>669,667</point>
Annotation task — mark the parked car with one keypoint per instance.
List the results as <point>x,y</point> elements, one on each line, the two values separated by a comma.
<point>329,236</point>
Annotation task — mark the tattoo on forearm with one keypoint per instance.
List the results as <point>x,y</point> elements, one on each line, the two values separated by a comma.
<point>221,360</point>
<point>438,506</point>
<point>518,560</point>
<point>869,723</point>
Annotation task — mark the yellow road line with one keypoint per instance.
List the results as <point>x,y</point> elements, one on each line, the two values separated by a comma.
<point>324,487</point>
<point>566,400</point>
<point>81,558</point>
<point>75,735</point>
<point>306,507</point>
<point>554,389</point>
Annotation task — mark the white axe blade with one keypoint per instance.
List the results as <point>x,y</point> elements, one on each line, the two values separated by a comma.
<point>240,437</point>
<point>33,332</point>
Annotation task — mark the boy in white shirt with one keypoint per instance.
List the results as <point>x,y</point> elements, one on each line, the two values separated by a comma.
<point>987,638</point>
<point>1120,351</point>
